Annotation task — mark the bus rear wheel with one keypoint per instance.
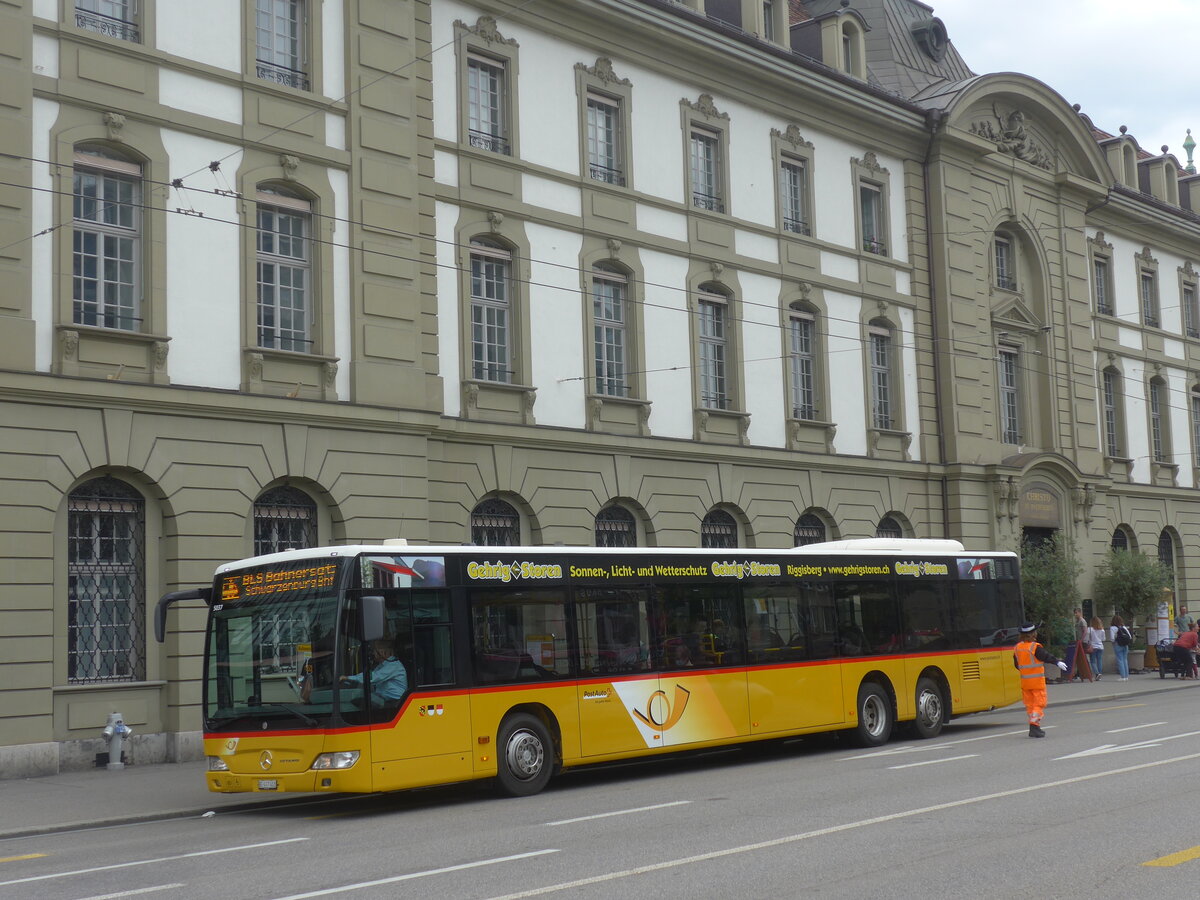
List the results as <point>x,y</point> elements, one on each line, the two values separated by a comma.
<point>931,709</point>
<point>527,755</point>
<point>875,715</point>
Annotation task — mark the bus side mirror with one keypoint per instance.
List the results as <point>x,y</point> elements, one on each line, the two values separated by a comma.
<point>372,620</point>
<point>160,611</point>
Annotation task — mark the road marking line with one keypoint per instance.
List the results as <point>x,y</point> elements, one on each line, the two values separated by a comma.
<point>838,829</point>
<point>930,762</point>
<point>148,862</point>
<point>366,884</point>
<point>135,892</point>
<point>941,745</point>
<point>19,858</point>
<point>1133,727</point>
<point>1084,712</point>
<point>619,812</point>
<point>1174,859</point>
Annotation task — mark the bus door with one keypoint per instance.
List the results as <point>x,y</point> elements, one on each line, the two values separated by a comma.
<point>700,654</point>
<point>613,640</point>
<point>791,639</point>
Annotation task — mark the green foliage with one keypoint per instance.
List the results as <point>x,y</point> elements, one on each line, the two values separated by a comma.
<point>1049,576</point>
<point>1132,584</point>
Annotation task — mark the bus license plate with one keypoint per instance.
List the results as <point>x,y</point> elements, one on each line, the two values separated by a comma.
<point>268,784</point>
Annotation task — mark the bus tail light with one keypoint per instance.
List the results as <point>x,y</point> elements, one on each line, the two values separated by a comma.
<point>342,759</point>
<point>216,764</point>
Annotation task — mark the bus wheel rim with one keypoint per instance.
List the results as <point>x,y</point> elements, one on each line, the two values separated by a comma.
<point>525,754</point>
<point>872,715</point>
<point>929,707</point>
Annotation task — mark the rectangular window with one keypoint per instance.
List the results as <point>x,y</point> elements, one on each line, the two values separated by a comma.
<point>1100,285</point>
<point>519,636</point>
<point>874,232</point>
<point>487,124</point>
<point>803,367</point>
<point>490,325</point>
<point>114,18</point>
<point>769,19</point>
<point>279,38</point>
<point>608,317</point>
<point>706,170</point>
<point>793,195</point>
<point>713,349</point>
<point>1112,442</point>
<point>1149,299</point>
<point>106,245</point>
<point>284,274</point>
<point>1196,427</point>
<point>604,139</point>
<point>881,378</point>
<point>1005,276</point>
<point>1191,316</point>
<point>1157,433</point>
<point>1010,397</point>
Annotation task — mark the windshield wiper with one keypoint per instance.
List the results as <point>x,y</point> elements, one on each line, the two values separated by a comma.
<point>299,714</point>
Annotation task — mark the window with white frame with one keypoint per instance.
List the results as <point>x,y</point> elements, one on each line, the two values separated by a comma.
<point>284,271</point>
<point>768,11</point>
<point>1113,444</point>
<point>1102,285</point>
<point>880,350</point>
<point>1149,294</point>
<point>802,365</point>
<point>1159,435</point>
<point>1006,276</point>
<point>491,312</point>
<point>605,142</point>
<point>1191,315</point>
<point>793,195</point>
<point>1010,395</point>
<point>712,313</point>
<point>487,104</point>
<point>610,331</point>
<point>114,18</point>
<point>280,51</point>
<point>874,228</point>
<point>106,241</point>
<point>706,170</point>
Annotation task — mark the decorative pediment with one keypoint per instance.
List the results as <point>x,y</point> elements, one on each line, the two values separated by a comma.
<point>793,136</point>
<point>1188,271</point>
<point>1146,258</point>
<point>1099,244</point>
<point>603,71</point>
<point>706,107</point>
<point>1008,131</point>
<point>1013,314</point>
<point>486,30</point>
<point>870,162</point>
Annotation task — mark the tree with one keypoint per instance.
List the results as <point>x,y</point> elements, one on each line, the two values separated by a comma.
<point>1132,584</point>
<point>1049,572</point>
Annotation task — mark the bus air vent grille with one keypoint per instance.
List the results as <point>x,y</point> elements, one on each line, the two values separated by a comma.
<point>970,670</point>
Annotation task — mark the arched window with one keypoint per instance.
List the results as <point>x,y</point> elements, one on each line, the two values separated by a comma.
<point>615,527</point>
<point>1166,552</point>
<point>107,285</point>
<point>284,519</point>
<point>809,530</point>
<point>888,528</point>
<point>495,523</point>
<point>106,565</point>
<point>718,530</point>
<point>284,270</point>
<point>1120,540</point>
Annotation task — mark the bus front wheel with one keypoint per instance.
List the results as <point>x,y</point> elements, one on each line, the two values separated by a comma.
<point>931,709</point>
<point>874,715</point>
<point>527,759</point>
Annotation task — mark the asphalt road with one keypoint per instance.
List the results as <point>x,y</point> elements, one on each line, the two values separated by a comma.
<point>1092,811</point>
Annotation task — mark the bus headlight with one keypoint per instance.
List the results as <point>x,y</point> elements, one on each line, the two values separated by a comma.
<point>216,764</point>
<point>342,759</point>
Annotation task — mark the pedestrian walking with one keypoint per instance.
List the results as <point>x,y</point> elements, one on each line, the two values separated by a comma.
<point>1030,658</point>
<point>1121,638</point>
<point>1095,646</point>
<point>1080,625</point>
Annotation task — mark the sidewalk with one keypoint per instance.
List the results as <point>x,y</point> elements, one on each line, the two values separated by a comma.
<point>33,806</point>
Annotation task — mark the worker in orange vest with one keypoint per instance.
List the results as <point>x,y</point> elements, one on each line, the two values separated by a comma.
<point>1030,658</point>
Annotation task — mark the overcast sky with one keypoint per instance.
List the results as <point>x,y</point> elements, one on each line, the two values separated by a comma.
<point>1124,63</point>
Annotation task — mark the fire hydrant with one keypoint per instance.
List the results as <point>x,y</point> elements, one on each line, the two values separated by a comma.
<point>116,731</point>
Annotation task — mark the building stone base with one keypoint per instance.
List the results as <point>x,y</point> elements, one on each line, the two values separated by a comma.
<point>53,757</point>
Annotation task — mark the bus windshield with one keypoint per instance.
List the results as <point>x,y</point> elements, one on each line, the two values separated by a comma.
<point>271,649</point>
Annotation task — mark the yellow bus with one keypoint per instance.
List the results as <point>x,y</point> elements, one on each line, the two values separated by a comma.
<point>382,667</point>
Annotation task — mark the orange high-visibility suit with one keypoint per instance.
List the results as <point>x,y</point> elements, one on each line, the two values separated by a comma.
<point>1030,658</point>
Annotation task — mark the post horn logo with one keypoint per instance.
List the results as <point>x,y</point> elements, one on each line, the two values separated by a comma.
<point>265,760</point>
<point>661,714</point>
